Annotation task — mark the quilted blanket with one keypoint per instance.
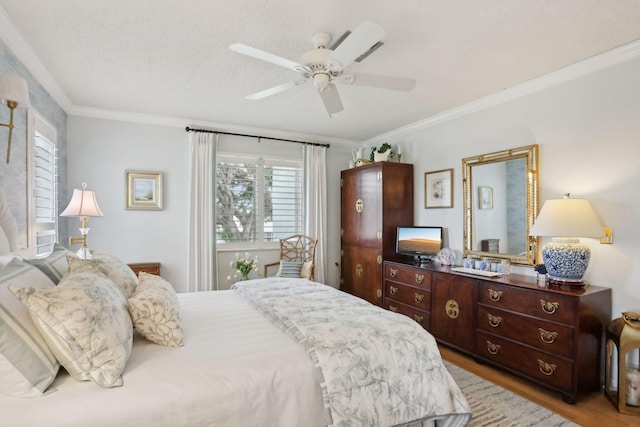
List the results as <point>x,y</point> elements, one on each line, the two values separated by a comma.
<point>375,367</point>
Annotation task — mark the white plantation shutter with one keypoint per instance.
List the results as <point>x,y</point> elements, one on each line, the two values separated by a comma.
<point>44,187</point>
<point>266,192</point>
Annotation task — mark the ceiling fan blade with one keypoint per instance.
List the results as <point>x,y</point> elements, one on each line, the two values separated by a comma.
<point>359,41</point>
<point>263,56</point>
<point>384,82</point>
<point>274,90</point>
<point>331,99</point>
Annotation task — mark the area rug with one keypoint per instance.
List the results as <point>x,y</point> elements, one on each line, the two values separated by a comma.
<point>494,406</point>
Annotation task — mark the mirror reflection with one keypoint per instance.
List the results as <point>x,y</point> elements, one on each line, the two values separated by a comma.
<point>500,204</point>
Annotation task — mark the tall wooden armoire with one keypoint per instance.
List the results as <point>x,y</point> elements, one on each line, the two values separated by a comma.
<point>375,199</point>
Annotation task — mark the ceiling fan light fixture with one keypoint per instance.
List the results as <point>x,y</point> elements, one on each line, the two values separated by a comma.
<point>321,80</point>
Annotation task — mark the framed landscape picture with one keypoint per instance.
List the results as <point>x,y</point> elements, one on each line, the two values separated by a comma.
<point>438,191</point>
<point>144,190</point>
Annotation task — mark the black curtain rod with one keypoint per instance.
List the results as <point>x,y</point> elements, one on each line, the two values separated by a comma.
<point>317,144</point>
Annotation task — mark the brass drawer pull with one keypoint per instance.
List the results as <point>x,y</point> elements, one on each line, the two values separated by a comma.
<point>418,319</point>
<point>547,336</point>
<point>549,307</point>
<point>495,295</point>
<point>494,321</point>
<point>419,278</point>
<point>393,290</point>
<point>393,308</point>
<point>419,298</point>
<point>547,368</point>
<point>393,272</point>
<point>493,348</point>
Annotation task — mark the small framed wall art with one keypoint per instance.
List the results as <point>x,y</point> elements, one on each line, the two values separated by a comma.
<point>485,197</point>
<point>144,190</point>
<point>438,189</point>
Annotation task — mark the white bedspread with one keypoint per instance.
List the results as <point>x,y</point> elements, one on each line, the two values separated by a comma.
<point>236,369</point>
<point>376,368</point>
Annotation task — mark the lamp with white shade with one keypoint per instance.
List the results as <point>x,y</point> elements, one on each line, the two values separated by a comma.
<point>14,93</point>
<point>83,204</point>
<point>566,220</point>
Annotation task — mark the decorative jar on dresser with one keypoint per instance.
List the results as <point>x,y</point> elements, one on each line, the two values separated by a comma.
<point>549,336</point>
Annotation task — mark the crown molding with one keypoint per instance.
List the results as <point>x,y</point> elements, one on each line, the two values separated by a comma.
<point>585,67</point>
<point>23,51</point>
<point>126,116</point>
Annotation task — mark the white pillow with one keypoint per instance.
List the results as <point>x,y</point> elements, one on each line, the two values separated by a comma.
<point>155,311</point>
<point>54,265</point>
<point>27,365</point>
<point>86,323</point>
<point>305,271</point>
<point>110,266</point>
<point>295,269</point>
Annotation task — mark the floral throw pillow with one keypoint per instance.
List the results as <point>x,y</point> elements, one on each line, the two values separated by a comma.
<point>110,266</point>
<point>155,311</point>
<point>86,324</point>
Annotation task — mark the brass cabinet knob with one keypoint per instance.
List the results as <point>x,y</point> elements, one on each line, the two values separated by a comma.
<point>393,290</point>
<point>379,293</point>
<point>547,336</point>
<point>418,319</point>
<point>493,348</point>
<point>419,278</point>
<point>549,307</point>
<point>393,308</point>
<point>393,272</point>
<point>546,368</point>
<point>494,321</point>
<point>495,295</point>
<point>419,298</point>
<point>452,309</point>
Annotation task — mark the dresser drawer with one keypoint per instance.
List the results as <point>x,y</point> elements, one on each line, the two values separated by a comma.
<point>416,297</point>
<point>551,371</point>
<point>410,275</point>
<point>548,337</point>
<point>549,306</point>
<point>420,316</point>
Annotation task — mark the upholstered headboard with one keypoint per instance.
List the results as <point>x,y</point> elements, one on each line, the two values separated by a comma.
<point>8,229</point>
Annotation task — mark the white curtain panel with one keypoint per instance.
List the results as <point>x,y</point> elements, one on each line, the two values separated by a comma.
<point>315,170</point>
<point>202,231</point>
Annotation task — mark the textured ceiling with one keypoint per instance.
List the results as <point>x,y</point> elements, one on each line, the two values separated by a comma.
<point>171,58</point>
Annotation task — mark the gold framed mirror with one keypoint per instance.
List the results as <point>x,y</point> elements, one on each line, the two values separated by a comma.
<point>500,198</point>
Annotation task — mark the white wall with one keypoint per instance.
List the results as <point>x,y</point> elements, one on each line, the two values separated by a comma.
<point>99,152</point>
<point>588,131</point>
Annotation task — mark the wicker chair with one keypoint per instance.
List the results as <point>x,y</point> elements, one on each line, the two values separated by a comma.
<point>296,248</point>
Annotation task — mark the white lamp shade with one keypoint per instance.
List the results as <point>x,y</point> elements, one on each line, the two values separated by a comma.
<point>567,218</point>
<point>14,88</point>
<point>83,203</point>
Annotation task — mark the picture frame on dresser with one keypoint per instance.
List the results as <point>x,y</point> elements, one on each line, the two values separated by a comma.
<point>438,189</point>
<point>144,190</point>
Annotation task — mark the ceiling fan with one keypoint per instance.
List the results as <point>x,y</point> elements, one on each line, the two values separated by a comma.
<point>325,65</point>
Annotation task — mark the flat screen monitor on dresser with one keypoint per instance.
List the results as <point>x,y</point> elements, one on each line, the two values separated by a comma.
<point>423,243</point>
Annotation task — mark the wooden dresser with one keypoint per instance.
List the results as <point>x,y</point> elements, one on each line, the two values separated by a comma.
<point>551,337</point>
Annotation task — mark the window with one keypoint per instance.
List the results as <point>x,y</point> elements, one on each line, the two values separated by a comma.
<point>43,205</point>
<point>258,199</point>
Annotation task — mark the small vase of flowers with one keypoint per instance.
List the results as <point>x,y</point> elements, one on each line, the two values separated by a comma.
<point>244,264</point>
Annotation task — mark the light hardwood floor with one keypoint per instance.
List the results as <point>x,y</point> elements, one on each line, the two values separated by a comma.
<point>592,410</point>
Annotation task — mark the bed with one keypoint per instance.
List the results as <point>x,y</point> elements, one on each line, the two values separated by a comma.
<point>269,352</point>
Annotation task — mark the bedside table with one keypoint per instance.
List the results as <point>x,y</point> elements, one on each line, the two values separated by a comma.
<point>147,267</point>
